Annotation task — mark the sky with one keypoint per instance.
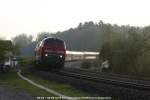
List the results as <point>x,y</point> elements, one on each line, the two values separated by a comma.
<point>34,16</point>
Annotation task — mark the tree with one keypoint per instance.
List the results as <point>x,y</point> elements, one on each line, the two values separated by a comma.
<point>5,47</point>
<point>43,35</point>
<point>22,40</point>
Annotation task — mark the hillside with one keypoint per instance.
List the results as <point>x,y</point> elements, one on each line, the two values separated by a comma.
<point>88,36</point>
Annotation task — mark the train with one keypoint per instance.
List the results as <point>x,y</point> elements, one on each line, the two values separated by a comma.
<point>51,53</point>
<point>81,55</point>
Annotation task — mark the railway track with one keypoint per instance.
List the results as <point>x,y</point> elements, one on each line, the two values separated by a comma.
<point>105,85</point>
<point>113,79</point>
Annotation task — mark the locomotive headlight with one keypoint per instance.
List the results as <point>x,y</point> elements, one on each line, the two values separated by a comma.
<point>46,54</point>
<point>61,56</point>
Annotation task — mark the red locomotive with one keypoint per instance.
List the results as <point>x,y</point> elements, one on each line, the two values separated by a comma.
<point>50,52</point>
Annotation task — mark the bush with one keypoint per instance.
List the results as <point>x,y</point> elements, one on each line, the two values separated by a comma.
<point>27,61</point>
<point>90,64</point>
<point>86,64</point>
<point>128,54</point>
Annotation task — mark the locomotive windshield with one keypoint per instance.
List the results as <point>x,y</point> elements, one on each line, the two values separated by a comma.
<point>54,42</point>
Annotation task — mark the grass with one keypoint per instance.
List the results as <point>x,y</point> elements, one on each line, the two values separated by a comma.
<point>17,82</point>
<point>11,79</point>
<point>62,88</point>
<point>65,89</point>
<point>90,64</point>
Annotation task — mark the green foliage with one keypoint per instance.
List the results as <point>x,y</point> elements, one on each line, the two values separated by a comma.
<point>127,48</point>
<point>16,49</point>
<point>85,37</point>
<point>22,40</point>
<point>86,64</point>
<point>129,53</point>
<point>27,61</point>
<point>12,80</point>
<point>5,46</point>
<point>66,89</point>
<point>42,35</point>
<point>90,64</point>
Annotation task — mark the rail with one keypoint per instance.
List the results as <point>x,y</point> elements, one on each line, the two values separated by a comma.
<point>104,78</point>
